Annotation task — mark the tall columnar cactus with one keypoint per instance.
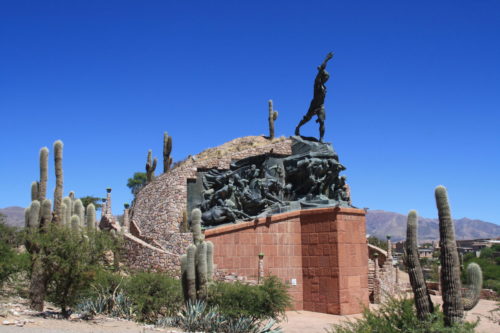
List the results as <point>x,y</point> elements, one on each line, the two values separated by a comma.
<point>197,264</point>
<point>474,285</point>
<point>68,212</point>
<point>423,301</point>
<point>46,213</point>
<point>450,264</point>
<point>34,191</point>
<point>167,149</point>
<point>90,217</point>
<point>198,236</point>
<point>210,260</point>
<point>32,215</point>
<point>75,222</point>
<point>150,167</point>
<point>44,167</point>
<point>273,115</point>
<point>58,192</point>
<point>79,211</point>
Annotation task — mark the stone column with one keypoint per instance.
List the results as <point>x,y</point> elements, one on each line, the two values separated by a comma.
<point>126,222</point>
<point>108,199</point>
<point>261,268</point>
<point>376,282</point>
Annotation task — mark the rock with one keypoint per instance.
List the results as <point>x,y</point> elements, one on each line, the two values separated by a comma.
<point>6,322</point>
<point>14,312</point>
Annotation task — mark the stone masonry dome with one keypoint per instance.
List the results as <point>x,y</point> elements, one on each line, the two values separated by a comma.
<point>159,207</point>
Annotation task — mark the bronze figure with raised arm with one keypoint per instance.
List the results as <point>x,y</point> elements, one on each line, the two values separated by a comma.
<point>317,106</point>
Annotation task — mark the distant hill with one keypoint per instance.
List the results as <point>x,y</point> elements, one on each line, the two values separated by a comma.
<point>380,223</point>
<point>15,215</point>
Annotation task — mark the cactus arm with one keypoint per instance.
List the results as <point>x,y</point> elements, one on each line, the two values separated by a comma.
<point>78,210</point>
<point>191,272</point>
<point>183,276</point>
<point>33,213</point>
<point>34,191</point>
<point>196,226</point>
<point>69,210</point>
<point>167,150</point>
<point>75,222</point>
<point>58,192</point>
<point>474,285</point>
<point>423,301</point>
<point>210,261</point>
<point>44,167</point>
<point>450,263</point>
<point>46,213</point>
<point>90,217</point>
<point>201,270</point>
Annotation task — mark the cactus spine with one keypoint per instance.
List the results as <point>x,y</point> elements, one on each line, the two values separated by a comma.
<point>167,149</point>
<point>58,192</point>
<point>450,264</point>
<point>90,217</point>
<point>197,264</point>
<point>150,167</point>
<point>423,301</point>
<point>273,115</point>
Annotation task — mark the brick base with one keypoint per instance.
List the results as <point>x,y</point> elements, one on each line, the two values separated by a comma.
<point>323,251</point>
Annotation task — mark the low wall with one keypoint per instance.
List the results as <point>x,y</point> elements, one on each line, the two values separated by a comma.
<point>320,253</point>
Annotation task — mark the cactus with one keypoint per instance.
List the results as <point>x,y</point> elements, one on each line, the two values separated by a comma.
<point>167,149</point>
<point>79,210</point>
<point>191,273</point>
<point>196,226</point>
<point>423,301</point>
<point>46,213</point>
<point>201,270</point>
<point>273,115</point>
<point>32,215</point>
<point>34,191</point>
<point>474,286</point>
<point>72,195</point>
<point>450,264</point>
<point>184,227</point>
<point>44,167</point>
<point>58,192</point>
<point>197,265</point>
<point>210,261</point>
<point>150,167</point>
<point>68,212</point>
<point>75,222</point>
<point>90,217</point>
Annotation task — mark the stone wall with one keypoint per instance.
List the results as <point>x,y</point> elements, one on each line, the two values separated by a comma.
<point>159,206</point>
<point>320,253</point>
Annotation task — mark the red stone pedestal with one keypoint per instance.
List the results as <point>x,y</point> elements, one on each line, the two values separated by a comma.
<point>320,253</point>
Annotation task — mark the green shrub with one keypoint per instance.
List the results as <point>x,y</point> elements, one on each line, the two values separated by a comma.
<point>71,260</point>
<point>154,295</point>
<point>12,261</point>
<point>268,300</point>
<point>398,315</point>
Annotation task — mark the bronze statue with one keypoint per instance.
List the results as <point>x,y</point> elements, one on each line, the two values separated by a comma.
<point>317,106</point>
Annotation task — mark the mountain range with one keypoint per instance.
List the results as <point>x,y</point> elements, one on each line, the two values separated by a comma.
<point>379,223</point>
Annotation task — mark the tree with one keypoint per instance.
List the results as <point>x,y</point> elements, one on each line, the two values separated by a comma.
<point>91,200</point>
<point>377,242</point>
<point>136,183</point>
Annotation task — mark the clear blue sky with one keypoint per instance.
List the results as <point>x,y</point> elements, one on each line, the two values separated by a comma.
<point>413,99</point>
